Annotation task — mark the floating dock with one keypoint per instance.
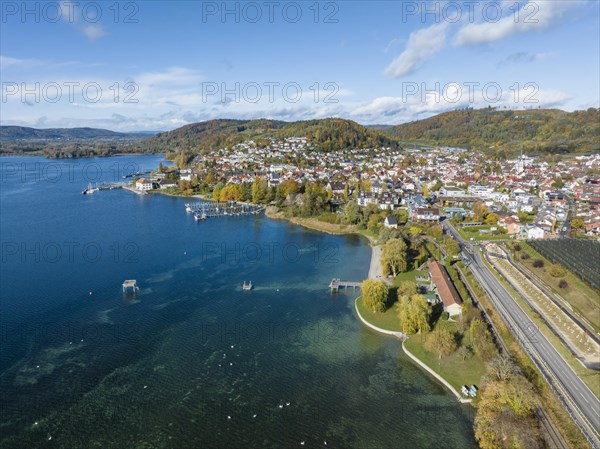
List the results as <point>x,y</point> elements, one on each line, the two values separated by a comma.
<point>209,209</point>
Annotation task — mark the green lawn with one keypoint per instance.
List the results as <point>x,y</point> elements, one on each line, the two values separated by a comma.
<point>387,320</point>
<point>468,233</point>
<point>456,371</point>
<point>408,276</point>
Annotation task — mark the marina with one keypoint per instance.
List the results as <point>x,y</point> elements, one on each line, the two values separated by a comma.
<point>211,209</point>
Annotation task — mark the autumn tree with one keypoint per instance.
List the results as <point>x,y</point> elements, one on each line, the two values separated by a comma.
<point>442,342</point>
<point>492,219</point>
<point>480,211</point>
<point>393,256</point>
<point>505,414</point>
<point>374,294</point>
<point>406,290</point>
<point>557,271</point>
<point>414,313</point>
<point>260,189</point>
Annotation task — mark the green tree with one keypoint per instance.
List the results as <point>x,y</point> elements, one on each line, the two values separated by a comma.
<point>352,213</point>
<point>577,223</point>
<point>452,247</point>
<point>374,294</point>
<point>393,256</point>
<point>464,352</point>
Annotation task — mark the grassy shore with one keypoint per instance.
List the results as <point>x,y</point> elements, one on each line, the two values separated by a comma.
<point>318,225</point>
<point>453,368</point>
<point>387,320</point>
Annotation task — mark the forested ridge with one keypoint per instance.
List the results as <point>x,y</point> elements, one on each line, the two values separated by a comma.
<point>535,131</point>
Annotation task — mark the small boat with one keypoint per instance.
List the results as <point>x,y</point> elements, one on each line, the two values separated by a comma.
<point>247,286</point>
<point>90,189</point>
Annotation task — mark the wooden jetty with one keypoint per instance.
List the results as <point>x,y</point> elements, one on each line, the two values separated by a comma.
<point>208,209</point>
<point>336,284</point>
<point>130,285</point>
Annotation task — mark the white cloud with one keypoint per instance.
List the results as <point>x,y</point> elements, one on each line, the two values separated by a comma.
<point>422,45</point>
<point>70,14</point>
<point>93,32</point>
<point>535,15</point>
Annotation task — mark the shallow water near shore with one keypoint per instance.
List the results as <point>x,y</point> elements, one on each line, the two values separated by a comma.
<point>191,360</point>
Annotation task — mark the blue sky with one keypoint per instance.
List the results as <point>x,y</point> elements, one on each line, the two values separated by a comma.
<point>159,65</point>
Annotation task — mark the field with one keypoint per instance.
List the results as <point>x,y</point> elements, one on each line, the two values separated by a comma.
<point>582,257</point>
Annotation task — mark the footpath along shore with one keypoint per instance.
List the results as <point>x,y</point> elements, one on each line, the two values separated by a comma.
<point>376,272</point>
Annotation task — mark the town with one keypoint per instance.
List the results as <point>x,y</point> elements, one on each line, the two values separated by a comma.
<point>523,198</point>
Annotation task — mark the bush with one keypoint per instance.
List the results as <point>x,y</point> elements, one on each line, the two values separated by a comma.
<point>517,247</point>
<point>445,316</point>
<point>557,271</point>
<point>563,284</point>
<point>538,263</point>
<point>525,256</point>
<point>330,217</point>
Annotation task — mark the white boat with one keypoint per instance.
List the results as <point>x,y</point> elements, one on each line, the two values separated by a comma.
<point>90,189</point>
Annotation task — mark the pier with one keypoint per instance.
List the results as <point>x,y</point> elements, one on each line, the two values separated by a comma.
<point>106,186</point>
<point>130,285</point>
<point>336,284</point>
<point>208,209</point>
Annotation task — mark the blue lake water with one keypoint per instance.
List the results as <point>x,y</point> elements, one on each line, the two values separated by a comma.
<point>190,361</point>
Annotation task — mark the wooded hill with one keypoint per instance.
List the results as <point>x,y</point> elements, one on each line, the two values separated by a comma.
<point>502,132</point>
<point>538,131</point>
<point>329,134</point>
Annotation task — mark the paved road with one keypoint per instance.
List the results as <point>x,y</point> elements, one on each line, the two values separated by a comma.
<point>583,405</point>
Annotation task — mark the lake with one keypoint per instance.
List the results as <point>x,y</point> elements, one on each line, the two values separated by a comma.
<point>191,360</point>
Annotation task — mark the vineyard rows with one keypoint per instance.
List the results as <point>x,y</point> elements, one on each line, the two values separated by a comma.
<point>582,257</point>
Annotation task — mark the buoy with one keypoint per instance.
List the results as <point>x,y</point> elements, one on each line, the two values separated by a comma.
<point>90,293</point>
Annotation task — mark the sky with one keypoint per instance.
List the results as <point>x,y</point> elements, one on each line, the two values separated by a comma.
<point>151,65</point>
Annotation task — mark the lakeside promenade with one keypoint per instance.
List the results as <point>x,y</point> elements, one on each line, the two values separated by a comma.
<point>376,272</point>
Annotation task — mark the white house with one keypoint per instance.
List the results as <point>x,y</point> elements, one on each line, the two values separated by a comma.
<point>452,192</point>
<point>143,184</point>
<point>390,222</point>
<point>535,233</point>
